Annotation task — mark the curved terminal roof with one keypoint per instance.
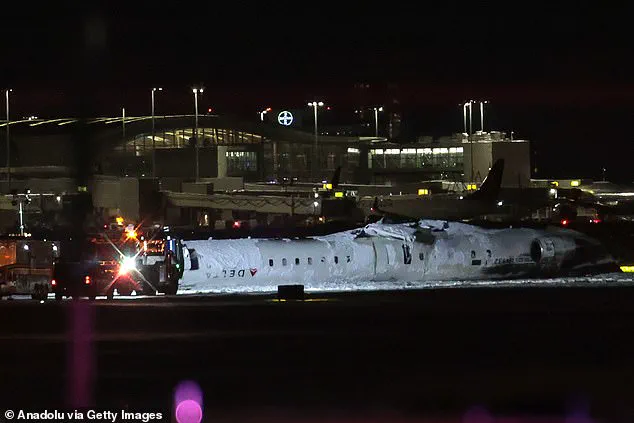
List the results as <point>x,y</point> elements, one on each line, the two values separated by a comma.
<point>110,130</point>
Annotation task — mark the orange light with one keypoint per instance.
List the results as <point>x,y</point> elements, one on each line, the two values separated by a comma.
<point>53,282</point>
<point>564,222</point>
<point>132,234</point>
<point>87,280</point>
<point>268,109</point>
<point>209,110</point>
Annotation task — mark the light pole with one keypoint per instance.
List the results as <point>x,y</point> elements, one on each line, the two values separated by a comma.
<point>482,115</point>
<point>376,120</point>
<point>7,91</point>
<point>196,91</point>
<point>314,105</point>
<point>263,112</point>
<point>470,117</point>
<point>153,137</point>
<point>469,104</point>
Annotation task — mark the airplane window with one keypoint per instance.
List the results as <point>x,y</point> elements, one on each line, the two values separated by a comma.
<point>296,261</point>
<point>336,259</point>
<point>323,259</point>
<point>271,262</point>
<point>472,254</point>
<point>347,259</point>
<point>489,253</point>
<point>310,260</point>
<point>284,262</point>
<point>421,256</point>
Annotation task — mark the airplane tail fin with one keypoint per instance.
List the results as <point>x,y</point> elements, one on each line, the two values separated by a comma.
<point>490,188</point>
<point>336,177</point>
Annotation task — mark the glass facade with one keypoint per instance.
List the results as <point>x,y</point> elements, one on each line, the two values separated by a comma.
<point>416,158</point>
<point>241,161</point>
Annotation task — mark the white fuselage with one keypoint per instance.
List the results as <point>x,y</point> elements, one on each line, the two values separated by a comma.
<point>383,253</point>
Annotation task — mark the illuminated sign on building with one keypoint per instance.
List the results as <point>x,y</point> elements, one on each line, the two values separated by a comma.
<point>285,118</point>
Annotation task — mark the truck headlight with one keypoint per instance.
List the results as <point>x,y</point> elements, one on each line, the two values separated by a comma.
<point>127,265</point>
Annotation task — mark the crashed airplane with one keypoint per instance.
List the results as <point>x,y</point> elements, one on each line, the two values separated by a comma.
<point>426,250</point>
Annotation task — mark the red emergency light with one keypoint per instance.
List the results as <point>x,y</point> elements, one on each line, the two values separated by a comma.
<point>564,222</point>
<point>87,280</point>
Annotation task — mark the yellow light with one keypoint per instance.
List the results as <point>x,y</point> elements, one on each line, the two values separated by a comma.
<point>575,183</point>
<point>119,221</point>
<point>82,189</point>
<point>555,183</point>
<point>471,187</point>
<point>327,186</point>
<point>627,269</point>
<point>131,234</point>
<point>423,191</point>
<point>339,194</point>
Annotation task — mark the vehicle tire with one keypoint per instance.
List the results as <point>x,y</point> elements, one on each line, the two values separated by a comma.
<point>171,289</point>
<point>39,293</point>
<point>147,290</point>
<point>58,296</point>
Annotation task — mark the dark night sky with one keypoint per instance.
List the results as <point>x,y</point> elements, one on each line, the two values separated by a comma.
<point>560,77</point>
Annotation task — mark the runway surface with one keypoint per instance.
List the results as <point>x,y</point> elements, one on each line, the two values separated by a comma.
<point>411,352</point>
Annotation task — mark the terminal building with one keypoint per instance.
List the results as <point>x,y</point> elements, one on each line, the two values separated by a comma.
<point>121,160</point>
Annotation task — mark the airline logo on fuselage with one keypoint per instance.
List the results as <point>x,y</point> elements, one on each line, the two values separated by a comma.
<point>239,273</point>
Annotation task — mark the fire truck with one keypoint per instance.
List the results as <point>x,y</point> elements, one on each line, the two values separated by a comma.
<point>26,266</point>
<point>124,261</point>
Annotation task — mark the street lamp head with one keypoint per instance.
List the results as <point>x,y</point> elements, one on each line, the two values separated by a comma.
<point>321,103</point>
<point>195,90</point>
<point>381,109</point>
<point>310,104</point>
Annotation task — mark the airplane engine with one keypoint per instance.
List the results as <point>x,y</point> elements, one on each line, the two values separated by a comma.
<point>551,252</point>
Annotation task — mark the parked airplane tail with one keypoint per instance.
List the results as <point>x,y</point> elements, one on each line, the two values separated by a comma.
<point>336,177</point>
<point>490,188</point>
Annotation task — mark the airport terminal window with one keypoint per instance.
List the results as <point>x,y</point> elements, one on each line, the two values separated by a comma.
<point>271,262</point>
<point>284,262</point>
<point>240,161</point>
<point>296,261</point>
<point>310,260</point>
<point>336,259</point>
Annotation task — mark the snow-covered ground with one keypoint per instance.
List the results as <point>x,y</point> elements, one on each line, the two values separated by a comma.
<point>609,279</point>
